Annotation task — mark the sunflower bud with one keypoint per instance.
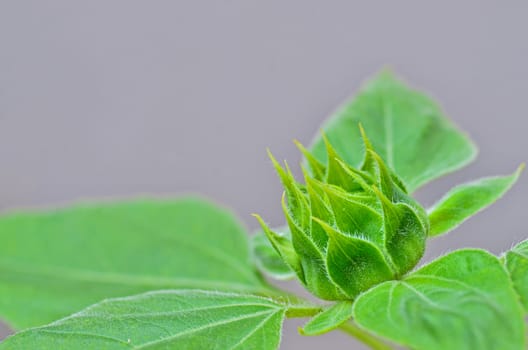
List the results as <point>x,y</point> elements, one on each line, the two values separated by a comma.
<point>350,228</point>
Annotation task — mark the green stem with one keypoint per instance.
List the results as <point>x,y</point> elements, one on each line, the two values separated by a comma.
<point>295,305</point>
<point>296,311</point>
<point>298,307</point>
<point>282,296</point>
<point>364,337</point>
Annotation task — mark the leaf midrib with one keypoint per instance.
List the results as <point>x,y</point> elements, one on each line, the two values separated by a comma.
<point>387,127</point>
<point>70,274</point>
<point>272,312</point>
<point>198,329</point>
<point>172,313</point>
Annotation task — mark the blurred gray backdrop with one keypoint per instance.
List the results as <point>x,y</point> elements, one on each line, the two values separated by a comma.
<point>119,98</point>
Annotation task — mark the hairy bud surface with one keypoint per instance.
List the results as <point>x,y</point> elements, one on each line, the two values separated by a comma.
<point>351,228</point>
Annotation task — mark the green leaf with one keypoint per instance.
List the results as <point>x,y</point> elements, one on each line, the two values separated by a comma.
<point>329,319</point>
<point>466,200</point>
<point>184,319</point>
<point>463,300</point>
<point>267,259</point>
<point>516,261</point>
<point>406,127</point>
<point>57,262</point>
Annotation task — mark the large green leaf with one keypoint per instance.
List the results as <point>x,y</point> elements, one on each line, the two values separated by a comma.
<point>185,319</point>
<point>406,127</point>
<point>463,300</point>
<point>57,262</point>
<point>466,200</point>
<point>516,261</point>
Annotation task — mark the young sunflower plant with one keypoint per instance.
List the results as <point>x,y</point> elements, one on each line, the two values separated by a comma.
<point>181,273</point>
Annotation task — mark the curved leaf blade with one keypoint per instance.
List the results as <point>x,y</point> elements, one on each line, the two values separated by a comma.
<point>463,300</point>
<point>268,260</point>
<point>406,127</point>
<point>466,200</point>
<point>57,262</point>
<point>516,261</point>
<point>184,319</point>
<point>329,319</point>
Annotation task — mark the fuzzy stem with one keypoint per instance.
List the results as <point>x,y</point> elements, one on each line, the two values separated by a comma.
<point>295,305</point>
<point>298,307</point>
<point>366,338</point>
<point>297,311</point>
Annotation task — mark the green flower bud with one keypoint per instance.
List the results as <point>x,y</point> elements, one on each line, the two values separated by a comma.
<point>350,228</point>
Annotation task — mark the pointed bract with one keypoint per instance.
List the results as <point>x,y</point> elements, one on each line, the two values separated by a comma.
<point>353,263</point>
<point>284,247</point>
<point>317,168</point>
<point>335,174</point>
<point>350,228</point>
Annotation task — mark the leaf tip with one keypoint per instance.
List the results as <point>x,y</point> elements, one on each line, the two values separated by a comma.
<point>259,219</point>
<point>298,144</point>
<point>520,168</point>
<point>366,141</point>
<point>272,157</point>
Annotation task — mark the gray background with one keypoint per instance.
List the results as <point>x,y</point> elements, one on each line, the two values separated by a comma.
<point>119,98</point>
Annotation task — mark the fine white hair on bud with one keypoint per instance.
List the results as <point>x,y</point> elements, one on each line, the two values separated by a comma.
<point>351,228</point>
